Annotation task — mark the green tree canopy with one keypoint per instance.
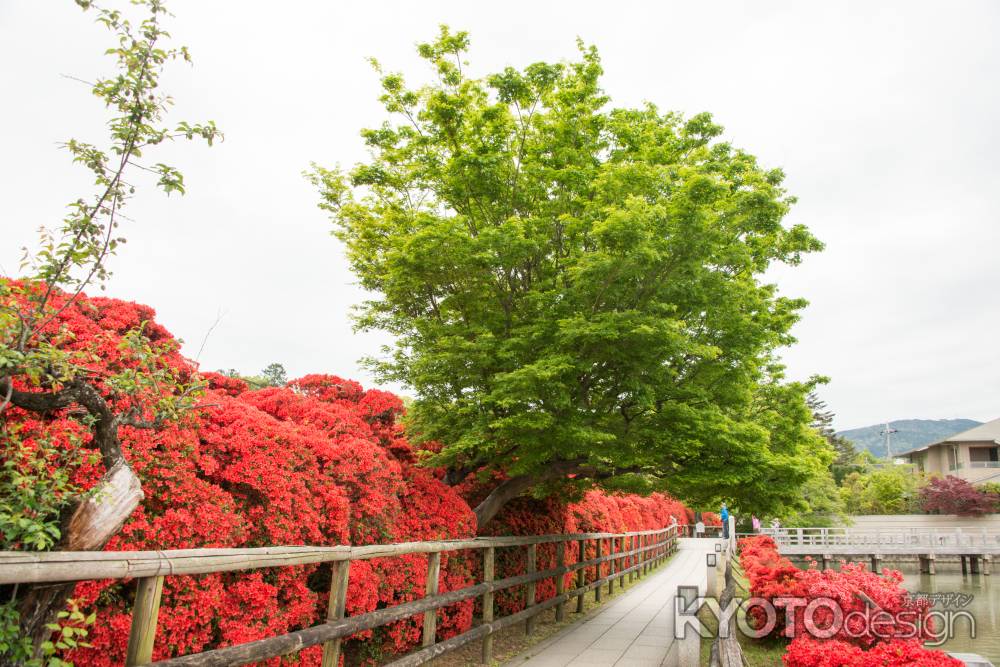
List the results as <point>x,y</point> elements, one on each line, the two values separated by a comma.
<point>577,289</point>
<point>272,375</point>
<point>890,489</point>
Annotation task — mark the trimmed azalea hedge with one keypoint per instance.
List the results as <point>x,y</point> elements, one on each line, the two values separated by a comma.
<point>320,461</point>
<point>818,642</point>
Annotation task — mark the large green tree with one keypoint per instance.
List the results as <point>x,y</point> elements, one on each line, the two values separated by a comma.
<point>575,290</point>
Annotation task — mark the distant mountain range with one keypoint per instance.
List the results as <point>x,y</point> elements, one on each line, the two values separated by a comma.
<point>911,433</point>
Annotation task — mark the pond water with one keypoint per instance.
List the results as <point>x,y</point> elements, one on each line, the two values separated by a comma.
<point>977,595</point>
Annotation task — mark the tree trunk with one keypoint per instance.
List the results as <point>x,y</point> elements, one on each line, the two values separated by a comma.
<point>89,526</point>
<point>500,496</point>
<point>515,486</point>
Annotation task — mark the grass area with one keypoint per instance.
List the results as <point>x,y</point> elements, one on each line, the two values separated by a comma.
<point>511,642</point>
<point>765,652</point>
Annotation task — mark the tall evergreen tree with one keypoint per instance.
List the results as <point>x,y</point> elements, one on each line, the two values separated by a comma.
<point>846,454</point>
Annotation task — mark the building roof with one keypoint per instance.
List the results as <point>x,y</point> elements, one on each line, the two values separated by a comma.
<point>988,432</point>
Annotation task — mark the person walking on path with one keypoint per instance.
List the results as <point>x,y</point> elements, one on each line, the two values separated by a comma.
<point>724,515</point>
<point>755,522</point>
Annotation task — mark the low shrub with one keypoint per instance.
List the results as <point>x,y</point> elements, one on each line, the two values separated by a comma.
<point>953,495</point>
<point>878,619</point>
<point>809,652</point>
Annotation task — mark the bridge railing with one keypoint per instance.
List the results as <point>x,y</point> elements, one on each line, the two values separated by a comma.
<point>931,539</point>
<point>629,554</point>
<point>690,530</point>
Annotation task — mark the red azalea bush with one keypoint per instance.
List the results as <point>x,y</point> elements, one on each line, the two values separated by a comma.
<point>854,590</point>
<point>711,519</point>
<point>953,495</point>
<point>321,461</point>
<point>809,652</point>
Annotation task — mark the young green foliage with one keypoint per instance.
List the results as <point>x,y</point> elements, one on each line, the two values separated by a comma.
<point>576,289</point>
<point>43,375</point>
<point>36,372</point>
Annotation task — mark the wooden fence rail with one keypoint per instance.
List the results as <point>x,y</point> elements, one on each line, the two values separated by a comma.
<point>628,554</point>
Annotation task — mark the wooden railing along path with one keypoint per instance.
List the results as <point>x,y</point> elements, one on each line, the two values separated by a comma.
<point>629,554</point>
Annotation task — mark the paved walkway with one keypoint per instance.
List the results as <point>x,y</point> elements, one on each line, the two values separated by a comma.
<point>635,629</point>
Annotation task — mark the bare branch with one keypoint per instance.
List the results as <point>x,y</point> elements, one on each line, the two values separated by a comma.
<point>218,318</point>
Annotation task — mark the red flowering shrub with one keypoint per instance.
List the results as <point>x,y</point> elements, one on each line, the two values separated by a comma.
<point>323,463</point>
<point>953,495</point>
<point>319,462</point>
<point>878,620</point>
<point>596,512</point>
<point>711,519</point>
<point>809,652</point>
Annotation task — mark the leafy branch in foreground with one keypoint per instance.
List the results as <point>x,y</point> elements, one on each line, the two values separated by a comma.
<point>43,372</point>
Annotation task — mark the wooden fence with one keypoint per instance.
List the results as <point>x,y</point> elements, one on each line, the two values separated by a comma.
<point>628,555</point>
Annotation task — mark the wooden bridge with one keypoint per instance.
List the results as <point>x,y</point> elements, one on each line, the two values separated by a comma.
<point>631,555</point>
<point>975,548</point>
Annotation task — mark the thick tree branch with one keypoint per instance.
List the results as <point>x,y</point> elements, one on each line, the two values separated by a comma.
<point>515,486</point>
<point>80,392</point>
<point>97,516</point>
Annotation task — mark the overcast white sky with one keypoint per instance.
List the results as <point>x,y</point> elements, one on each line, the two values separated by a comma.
<point>883,115</point>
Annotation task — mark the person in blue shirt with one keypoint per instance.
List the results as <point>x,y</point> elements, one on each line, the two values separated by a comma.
<point>724,515</point>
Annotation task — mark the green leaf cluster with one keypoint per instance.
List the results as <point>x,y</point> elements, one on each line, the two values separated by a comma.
<point>68,632</point>
<point>883,488</point>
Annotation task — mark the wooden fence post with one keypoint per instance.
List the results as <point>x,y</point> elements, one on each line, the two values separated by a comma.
<point>631,559</point>
<point>489,559</point>
<point>560,580</point>
<point>597,571</point>
<point>144,614</point>
<point>531,568</point>
<point>611,566</point>
<point>430,616</point>
<point>339,573</point>
<point>622,563</point>
<point>581,576</point>
<point>638,556</point>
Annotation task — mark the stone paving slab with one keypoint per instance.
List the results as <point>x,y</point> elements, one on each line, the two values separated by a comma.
<point>635,629</point>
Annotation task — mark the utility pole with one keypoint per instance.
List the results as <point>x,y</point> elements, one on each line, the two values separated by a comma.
<point>887,432</point>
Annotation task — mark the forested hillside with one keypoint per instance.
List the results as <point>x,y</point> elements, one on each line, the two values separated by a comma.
<point>910,433</point>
